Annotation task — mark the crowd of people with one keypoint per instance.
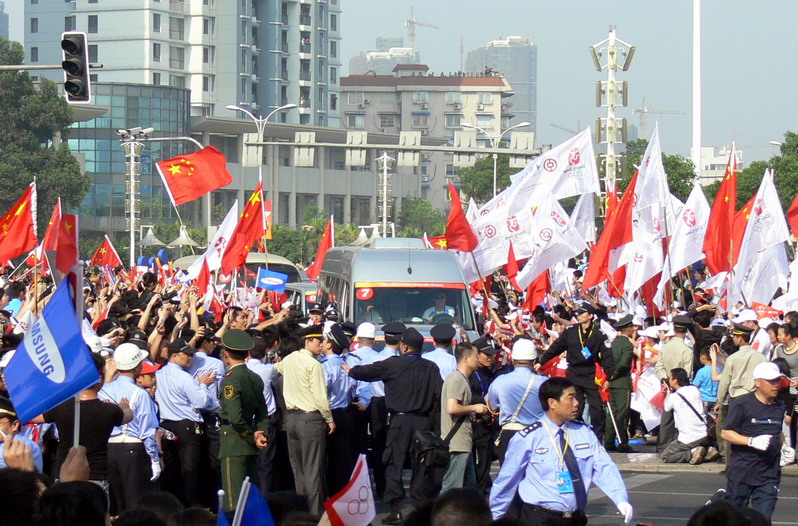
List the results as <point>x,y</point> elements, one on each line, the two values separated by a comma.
<point>191,401</point>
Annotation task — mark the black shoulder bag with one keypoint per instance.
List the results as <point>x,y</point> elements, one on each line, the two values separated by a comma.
<point>430,449</point>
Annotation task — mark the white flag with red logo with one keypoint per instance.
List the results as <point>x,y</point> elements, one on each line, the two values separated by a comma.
<point>354,504</point>
<point>213,255</point>
<point>584,217</point>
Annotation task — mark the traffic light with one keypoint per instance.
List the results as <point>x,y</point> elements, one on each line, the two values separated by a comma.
<point>75,53</point>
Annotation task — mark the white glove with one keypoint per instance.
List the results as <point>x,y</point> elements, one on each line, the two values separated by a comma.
<point>155,466</point>
<point>787,455</point>
<point>626,510</point>
<point>760,442</point>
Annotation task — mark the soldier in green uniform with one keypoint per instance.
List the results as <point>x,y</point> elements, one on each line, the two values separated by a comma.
<point>244,417</point>
<point>620,385</point>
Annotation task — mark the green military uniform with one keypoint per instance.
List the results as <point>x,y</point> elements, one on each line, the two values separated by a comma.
<point>620,389</point>
<point>242,412</point>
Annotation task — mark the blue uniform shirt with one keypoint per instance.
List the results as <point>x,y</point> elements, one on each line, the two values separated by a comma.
<point>363,392</point>
<point>445,361</point>
<point>145,419</point>
<point>266,373</point>
<point>708,388</point>
<point>506,391</point>
<point>180,396</point>
<point>34,447</point>
<point>340,387</point>
<point>367,356</point>
<point>204,365</point>
<point>532,462</point>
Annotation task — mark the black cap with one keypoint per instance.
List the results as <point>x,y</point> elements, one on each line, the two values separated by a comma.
<point>682,321</point>
<point>313,331</point>
<point>237,340</point>
<point>485,345</point>
<point>349,329</point>
<point>106,326</point>
<point>6,313</point>
<point>178,346</point>
<point>7,408</point>
<point>624,322</point>
<point>413,339</point>
<point>336,334</point>
<point>395,328</point>
<point>739,329</point>
<point>332,315</point>
<point>442,332</point>
<point>585,307</point>
<point>315,307</point>
<point>138,339</point>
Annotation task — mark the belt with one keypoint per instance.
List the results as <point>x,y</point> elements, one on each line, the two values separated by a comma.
<point>124,439</point>
<point>555,513</point>
<point>300,411</point>
<point>517,426</point>
<point>401,413</point>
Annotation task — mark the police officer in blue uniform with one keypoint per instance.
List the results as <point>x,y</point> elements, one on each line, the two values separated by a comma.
<point>550,465</point>
<point>442,334</point>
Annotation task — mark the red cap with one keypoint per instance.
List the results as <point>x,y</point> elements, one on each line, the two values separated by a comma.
<point>149,368</point>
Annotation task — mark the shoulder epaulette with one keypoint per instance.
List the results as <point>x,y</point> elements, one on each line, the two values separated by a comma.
<point>528,429</point>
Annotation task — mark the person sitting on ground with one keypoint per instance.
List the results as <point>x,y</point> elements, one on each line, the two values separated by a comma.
<point>691,442</point>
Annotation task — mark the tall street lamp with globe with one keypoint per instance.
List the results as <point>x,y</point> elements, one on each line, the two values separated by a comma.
<point>494,141</point>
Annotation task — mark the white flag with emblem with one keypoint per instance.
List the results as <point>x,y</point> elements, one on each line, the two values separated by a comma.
<point>213,255</point>
<point>354,504</point>
<point>584,217</point>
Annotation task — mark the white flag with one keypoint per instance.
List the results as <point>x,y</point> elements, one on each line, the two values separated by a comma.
<point>215,251</point>
<point>766,227</point>
<point>643,259</point>
<point>584,217</point>
<point>767,274</point>
<point>554,238</point>
<point>652,183</point>
<point>353,505</point>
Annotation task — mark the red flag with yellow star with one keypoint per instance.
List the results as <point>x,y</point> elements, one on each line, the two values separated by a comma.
<point>106,255</point>
<point>18,226</point>
<point>438,242</point>
<point>717,246</point>
<point>188,177</point>
<point>67,251</point>
<point>250,228</point>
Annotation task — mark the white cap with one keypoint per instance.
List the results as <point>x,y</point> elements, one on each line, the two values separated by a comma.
<point>286,305</point>
<point>128,355</point>
<point>650,332</point>
<point>6,359</point>
<point>366,330</point>
<point>764,322</point>
<point>524,349</point>
<point>745,315</point>
<point>767,371</point>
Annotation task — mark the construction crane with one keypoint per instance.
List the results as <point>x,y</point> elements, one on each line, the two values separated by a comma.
<point>643,111</point>
<point>569,130</point>
<point>411,24</point>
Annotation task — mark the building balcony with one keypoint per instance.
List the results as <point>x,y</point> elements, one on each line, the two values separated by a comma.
<point>305,48</point>
<point>304,76</point>
<point>255,21</point>
<point>255,79</point>
<point>304,20</point>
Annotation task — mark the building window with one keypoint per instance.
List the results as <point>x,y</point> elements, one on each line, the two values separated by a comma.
<point>177,57</point>
<point>34,2</point>
<point>356,122</point>
<point>333,102</point>
<point>92,1</point>
<point>333,22</point>
<point>93,54</point>
<point>453,97</point>
<point>156,23</point>
<point>388,98</point>
<point>34,54</point>
<point>156,79</point>
<point>420,96</point>
<point>208,55</point>
<point>419,121</point>
<point>453,120</point>
<point>156,52</point>
<point>387,121</point>
<point>176,28</point>
<point>34,25</point>
<point>93,23</point>
<point>333,75</point>
<point>177,81</point>
<point>244,60</point>
<point>207,83</point>
<point>485,97</point>
<point>354,97</point>
<point>333,49</point>
<point>244,31</point>
<point>70,23</point>
<point>243,89</point>
<point>485,121</point>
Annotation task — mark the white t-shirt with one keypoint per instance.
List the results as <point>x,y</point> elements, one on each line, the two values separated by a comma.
<point>689,427</point>
<point>761,342</point>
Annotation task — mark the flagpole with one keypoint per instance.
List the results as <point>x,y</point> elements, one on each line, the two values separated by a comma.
<point>78,270</point>
<point>242,502</point>
<point>182,224</point>
<point>35,284</point>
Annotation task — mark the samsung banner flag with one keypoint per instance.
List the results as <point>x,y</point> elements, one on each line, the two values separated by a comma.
<point>271,280</point>
<point>53,362</point>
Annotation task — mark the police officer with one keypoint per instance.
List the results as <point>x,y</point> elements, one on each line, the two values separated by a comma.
<point>243,415</point>
<point>514,396</point>
<point>550,465</point>
<point>585,345</point>
<point>442,334</point>
<point>620,385</point>
<point>412,393</point>
<point>483,427</point>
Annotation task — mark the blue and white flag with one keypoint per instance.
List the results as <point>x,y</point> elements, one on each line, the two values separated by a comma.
<point>53,362</point>
<point>271,280</point>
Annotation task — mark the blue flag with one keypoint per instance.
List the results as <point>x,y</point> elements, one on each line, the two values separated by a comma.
<point>256,510</point>
<point>53,362</point>
<point>271,280</point>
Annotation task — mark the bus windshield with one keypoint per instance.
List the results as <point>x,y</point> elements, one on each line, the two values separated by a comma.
<point>411,305</point>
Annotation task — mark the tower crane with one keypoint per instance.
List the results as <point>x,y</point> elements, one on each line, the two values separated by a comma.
<point>411,24</point>
<point>643,111</point>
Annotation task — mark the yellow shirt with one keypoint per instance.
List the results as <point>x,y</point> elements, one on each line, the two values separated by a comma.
<point>737,377</point>
<point>304,384</point>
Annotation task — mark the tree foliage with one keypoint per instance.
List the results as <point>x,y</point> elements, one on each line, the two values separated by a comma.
<point>477,181</point>
<point>33,116</point>
<point>419,216</point>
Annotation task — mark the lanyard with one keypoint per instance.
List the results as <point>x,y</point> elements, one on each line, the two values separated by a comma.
<point>481,384</point>
<point>556,443</point>
<point>589,334</point>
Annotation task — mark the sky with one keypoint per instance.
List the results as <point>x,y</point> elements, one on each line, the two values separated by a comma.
<point>749,68</point>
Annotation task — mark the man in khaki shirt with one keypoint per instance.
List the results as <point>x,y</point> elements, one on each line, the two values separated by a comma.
<point>309,418</point>
<point>674,355</point>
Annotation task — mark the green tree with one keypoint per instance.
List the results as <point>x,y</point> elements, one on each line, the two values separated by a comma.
<point>33,117</point>
<point>419,215</point>
<point>288,243</point>
<point>477,181</point>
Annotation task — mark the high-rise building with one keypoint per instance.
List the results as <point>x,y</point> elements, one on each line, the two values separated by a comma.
<point>3,21</point>
<point>257,54</point>
<point>389,52</point>
<point>517,59</point>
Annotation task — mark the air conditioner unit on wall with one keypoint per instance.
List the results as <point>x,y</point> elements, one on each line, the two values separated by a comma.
<point>424,105</point>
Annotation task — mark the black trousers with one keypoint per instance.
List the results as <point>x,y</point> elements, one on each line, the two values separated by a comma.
<point>483,449</point>
<point>129,475</point>
<point>397,450</point>
<point>265,463</point>
<point>340,447</point>
<point>528,514</point>
<point>182,459</point>
<point>378,422</point>
<point>595,408</point>
<point>667,431</point>
<point>211,469</point>
<point>504,441</point>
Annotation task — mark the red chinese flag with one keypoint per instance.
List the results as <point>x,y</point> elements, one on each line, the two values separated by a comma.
<point>188,177</point>
<point>459,235</point>
<point>67,251</point>
<point>326,244</point>
<point>536,291</point>
<point>601,378</point>
<point>204,279</point>
<point>617,232</point>
<point>792,217</point>
<point>438,242</point>
<point>18,226</point>
<point>249,229</point>
<point>106,255</point>
<point>511,268</point>
<point>717,248</point>
<point>50,240</point>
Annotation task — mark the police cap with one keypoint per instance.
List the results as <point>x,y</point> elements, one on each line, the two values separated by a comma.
<point>395,328</point>
<point>413,339</point>
<point>624,322</point>
<point>313,331</point>
<point>741,330</point>
<point>681,321</point>
<point>178,346</point>
<point>485,345</point>
<point>442,332</point>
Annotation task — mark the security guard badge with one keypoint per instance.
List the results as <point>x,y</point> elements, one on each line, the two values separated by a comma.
<point>228,391</point>
<point>564,482</point>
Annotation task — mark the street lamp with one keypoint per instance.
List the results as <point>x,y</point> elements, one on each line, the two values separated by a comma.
<point>260,123</point>
<point>494,141</point>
